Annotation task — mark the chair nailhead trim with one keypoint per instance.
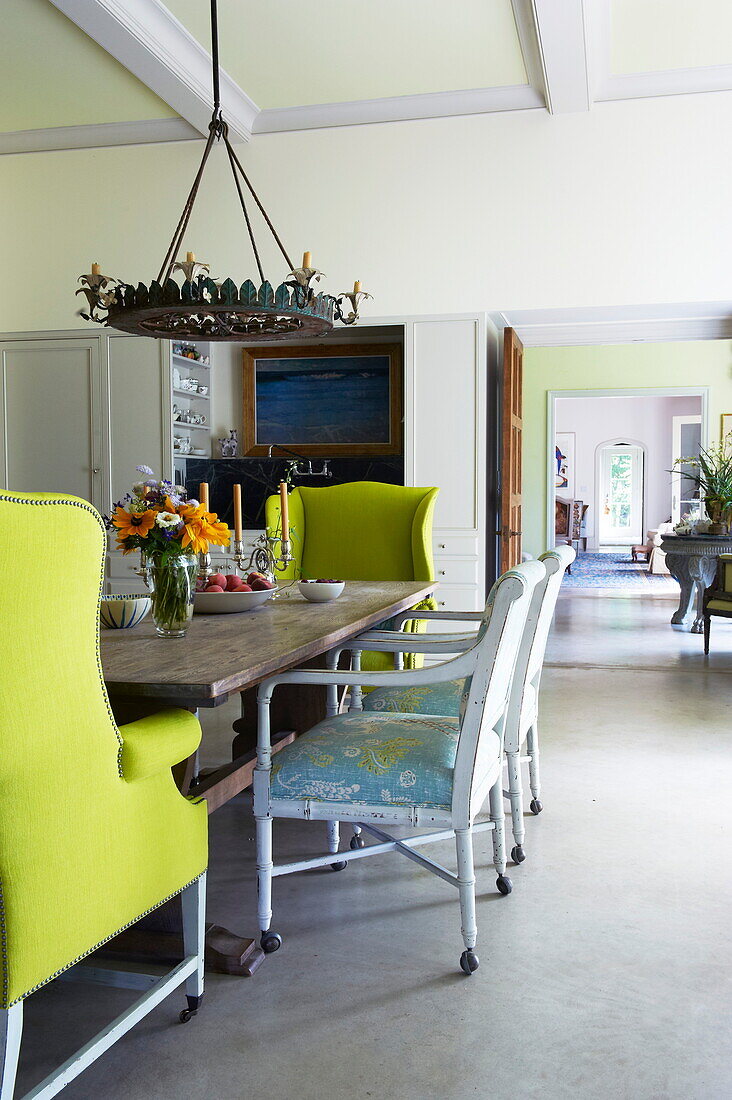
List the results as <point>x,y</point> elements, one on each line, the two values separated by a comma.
<point>11,499</point>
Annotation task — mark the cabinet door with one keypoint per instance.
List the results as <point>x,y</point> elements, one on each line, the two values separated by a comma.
<point>139,406</point>
<point>51,425</point>
<point>447,420</point>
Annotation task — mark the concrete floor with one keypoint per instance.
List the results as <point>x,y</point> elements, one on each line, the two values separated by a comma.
<point>603,975</point>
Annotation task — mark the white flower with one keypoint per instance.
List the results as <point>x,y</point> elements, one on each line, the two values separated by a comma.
<point>138,488</point>
<point>168,519</point>
<point>407,779</point>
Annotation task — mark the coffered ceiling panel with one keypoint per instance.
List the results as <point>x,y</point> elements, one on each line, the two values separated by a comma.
<point>285,54</point>
<point>657,35</point>
<point>54,75</point>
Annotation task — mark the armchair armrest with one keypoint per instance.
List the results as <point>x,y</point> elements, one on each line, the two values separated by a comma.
<point>157,742</point>
<point>395,641</point>
<point>451,616</point>
<point>434,674</point>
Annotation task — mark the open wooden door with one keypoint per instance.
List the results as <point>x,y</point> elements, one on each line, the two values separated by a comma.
<point>511,429</point>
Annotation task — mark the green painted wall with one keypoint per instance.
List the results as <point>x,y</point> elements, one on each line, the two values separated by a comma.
<point>614,366</point>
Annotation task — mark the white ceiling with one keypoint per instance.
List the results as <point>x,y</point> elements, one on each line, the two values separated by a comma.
<point>101,72</point>
<point>332,51</point>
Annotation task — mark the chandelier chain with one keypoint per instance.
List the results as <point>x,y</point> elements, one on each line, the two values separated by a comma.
<point>255,196</point>
<point>244,208</point>
<point>174,245</point>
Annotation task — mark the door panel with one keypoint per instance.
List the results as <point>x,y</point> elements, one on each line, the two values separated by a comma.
<point>136,416</point>
<point>511,430</point>
<point>51,396</point>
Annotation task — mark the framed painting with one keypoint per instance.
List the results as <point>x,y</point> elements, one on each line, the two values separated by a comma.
<point>340,399</point>
<point>727,431</point>
<point>564,465</point>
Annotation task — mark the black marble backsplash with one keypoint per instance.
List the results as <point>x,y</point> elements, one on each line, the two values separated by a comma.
<point>259,478</point>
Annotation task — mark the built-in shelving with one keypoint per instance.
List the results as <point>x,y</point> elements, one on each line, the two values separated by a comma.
<point>187,400</point>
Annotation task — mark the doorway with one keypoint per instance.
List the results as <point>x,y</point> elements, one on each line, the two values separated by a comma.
<point>620,493</point>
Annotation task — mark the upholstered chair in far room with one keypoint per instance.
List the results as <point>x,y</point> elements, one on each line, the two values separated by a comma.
<point>361,531</point>
<point>718,597</point>
<point>523,709</point>
<point>94,833</point>
<point>409,770</point>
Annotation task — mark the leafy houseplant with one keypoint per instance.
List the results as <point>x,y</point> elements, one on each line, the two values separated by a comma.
<point>711,473</point>
<point>157,519</point>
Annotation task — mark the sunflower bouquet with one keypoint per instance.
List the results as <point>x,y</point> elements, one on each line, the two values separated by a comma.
<point>169,529</point>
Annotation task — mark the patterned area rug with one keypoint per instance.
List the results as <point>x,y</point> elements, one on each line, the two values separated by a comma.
<point>615,571</point>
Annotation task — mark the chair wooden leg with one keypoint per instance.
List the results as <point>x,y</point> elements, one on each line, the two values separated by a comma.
<point>193,903</point>
<point>466,886</point>
<point>516,798</point>
<point>334,835</point>
<point>532,749</point>
<point>707,632</point>
<point>356,693</point>
<point>11,1031</point>
<point>499,829</point>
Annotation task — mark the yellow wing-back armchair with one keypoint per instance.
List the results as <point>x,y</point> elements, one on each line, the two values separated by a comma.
<point>93,831</point>
<point>360,531</point>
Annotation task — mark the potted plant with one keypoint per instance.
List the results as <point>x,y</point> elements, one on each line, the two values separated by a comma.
<point>711,473</point>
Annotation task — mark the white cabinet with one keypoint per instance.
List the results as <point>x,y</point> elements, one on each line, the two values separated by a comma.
<point>52,423</point>
<point>445,445</point>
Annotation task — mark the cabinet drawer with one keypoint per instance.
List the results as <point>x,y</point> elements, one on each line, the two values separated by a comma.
<point>450,545</point>
<point>456,570</point>
<point>459,597</point>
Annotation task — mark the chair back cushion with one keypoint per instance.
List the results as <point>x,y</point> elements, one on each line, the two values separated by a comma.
<point>78,858</point>
<point>361,531</point>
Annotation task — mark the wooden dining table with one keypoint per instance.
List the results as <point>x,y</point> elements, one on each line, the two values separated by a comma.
<point>227,655</point>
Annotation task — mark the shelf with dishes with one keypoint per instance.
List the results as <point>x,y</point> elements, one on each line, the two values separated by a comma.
<point>192,393</point>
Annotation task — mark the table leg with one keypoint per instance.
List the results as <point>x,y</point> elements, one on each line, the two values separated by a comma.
<point>702,570</point>
<point>678,567</point>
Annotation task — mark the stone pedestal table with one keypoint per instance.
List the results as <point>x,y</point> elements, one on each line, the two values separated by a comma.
<point>692,561</point>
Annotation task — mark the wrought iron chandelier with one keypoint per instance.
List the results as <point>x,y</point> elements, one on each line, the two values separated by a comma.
<point>211,309</point>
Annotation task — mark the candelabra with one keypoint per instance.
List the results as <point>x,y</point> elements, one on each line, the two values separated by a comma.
<point>205,569</point>
<point>264,558</point>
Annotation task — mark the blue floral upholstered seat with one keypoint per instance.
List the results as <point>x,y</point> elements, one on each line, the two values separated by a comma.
<point>369,759</point>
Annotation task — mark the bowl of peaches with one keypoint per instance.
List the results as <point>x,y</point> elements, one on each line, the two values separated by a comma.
<point>226,594</point>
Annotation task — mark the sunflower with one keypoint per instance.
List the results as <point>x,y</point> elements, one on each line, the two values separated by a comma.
<point>193,536</point>
<point>129,524</point>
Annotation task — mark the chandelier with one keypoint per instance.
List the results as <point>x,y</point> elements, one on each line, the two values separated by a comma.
<point>218,309</point>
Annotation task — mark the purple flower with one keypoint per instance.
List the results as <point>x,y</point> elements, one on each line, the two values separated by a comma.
<point>145,470</point>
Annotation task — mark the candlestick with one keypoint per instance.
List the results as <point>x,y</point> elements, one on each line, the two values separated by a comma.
<point>357,287</point>
<point>307,259</point>
<point>237,512</point>
<point>203,495</point>
<point>96,269</point>
<point>285,533</point>
<point>190,257</point>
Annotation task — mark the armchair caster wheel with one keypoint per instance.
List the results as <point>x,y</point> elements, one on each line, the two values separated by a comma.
<point>270,942</point>
<point>518,855</point>
<point>504,884</point>
<point>535,806</point>
<point>340,866</point>
<point>357,842</point>
<point>469,962</point>
<point>186,1015</point>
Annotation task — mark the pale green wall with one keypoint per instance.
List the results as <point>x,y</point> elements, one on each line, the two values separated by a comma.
<point>615,366</point>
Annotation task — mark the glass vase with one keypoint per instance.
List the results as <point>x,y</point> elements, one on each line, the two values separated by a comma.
<point>172,584</point>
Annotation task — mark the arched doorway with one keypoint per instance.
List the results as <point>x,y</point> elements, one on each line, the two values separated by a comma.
<point>620,474</point>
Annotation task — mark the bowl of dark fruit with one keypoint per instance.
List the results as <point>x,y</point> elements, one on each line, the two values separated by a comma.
<point>321,590</point>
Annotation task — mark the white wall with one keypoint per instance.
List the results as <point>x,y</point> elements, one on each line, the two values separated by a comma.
<point>627,203</point>
<point>645,420</point>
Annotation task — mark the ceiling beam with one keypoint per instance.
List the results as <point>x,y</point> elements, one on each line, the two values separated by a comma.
<point>149,41</point>
<point>562,41</point>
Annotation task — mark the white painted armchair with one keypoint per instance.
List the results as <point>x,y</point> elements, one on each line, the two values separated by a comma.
<point>444,698</point>
<point>401,769</point>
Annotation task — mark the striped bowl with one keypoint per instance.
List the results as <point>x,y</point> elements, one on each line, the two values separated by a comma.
<point>120,612</point>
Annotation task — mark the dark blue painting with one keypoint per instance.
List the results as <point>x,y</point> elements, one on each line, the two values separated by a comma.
<point>329,401</point>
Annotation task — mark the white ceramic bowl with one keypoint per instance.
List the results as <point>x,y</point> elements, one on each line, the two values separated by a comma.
<point>227,603</point>
<point>122,612</point>
<point>321,591</point>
